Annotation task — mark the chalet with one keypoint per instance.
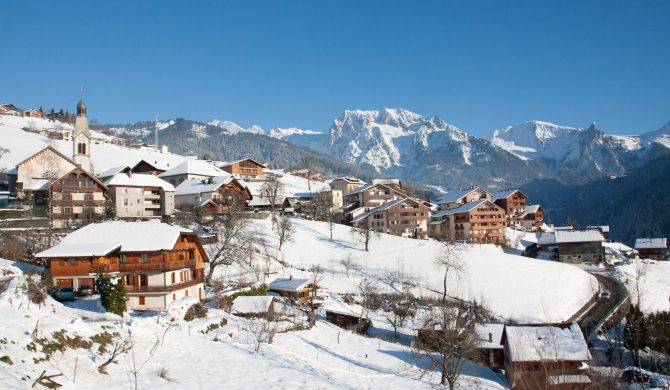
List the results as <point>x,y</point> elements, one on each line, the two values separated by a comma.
<point>77,197</point>
<point>218,194</point>
<point>545,357</point>
<point>298,290</point>
<point>603,229</point>
<point>140,196</point>
<point>254,306</point>
<point>245,168</point>
<point>346,184</point>
<point>652,248</point>
<point>191,170</point>
<point>489,344</point>
<point>404,217</point>
<point>32,176</point>
<point>308,174</point>
<point>455,199</point>
<point>574,246</point>
<point>477,222</point>
<point>9,109</point>
<point>153,166</point>
<point>513,202</point>
<point>389,182</point>
<point>373,195</point>
<point>531,218</point>
<point>346,318</point>
<point>33,113</point>
<point>157,263</point>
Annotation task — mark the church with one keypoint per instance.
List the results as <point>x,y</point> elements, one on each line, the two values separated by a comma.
<point>62,186</point>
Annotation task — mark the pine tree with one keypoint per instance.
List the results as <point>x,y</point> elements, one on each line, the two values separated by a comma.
<point>112,294</point>
<point>636,332</point>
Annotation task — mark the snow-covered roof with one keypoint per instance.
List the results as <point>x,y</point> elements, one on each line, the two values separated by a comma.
<point>252,304</point>
<point>113,171</point>
<point>37,184</point>
<point>567,236</point>
<point>194,167</point>
<point>531,209</point>
<point>505,194</point>
<point>200,186</point>
<point>289,284</point>
<point>139,180</point>
<point>462,208</point>
<point>602,228</point>
<point>454,196</point>
<point>651,243</point>
<point>381,207</point>
<point>367,187</point>
<point>565,379</point>
<point>158,163</point>
<point>494,330</point>
<point>349,179</point>
<point>227,163</point>
<point>549,343</point>
<point>99,239</point>
<point>386,181</point>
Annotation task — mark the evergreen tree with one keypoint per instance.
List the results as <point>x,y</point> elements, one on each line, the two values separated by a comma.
<point>112,294</point>
<point>636,332</point>
<point>109,212</point>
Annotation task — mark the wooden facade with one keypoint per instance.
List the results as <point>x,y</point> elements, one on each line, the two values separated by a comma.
<point>483,222</point>
<point>77,197</point>
<point>246,168</point>
<point>144,167</point>
<point>513,203</point>
<point>403,217</point>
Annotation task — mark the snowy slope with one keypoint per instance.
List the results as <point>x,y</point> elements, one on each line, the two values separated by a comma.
<point>282,133</point>
<point>234,128</point>
<point>513,287</point>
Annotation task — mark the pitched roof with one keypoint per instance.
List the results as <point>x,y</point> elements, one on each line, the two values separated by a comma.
<point>367,187</point>
<point>494,330</point>
<point>568,236</point>
<point>200,186</point>
<point>87,173</point>
<point>505,194</point>
<point>602,228</point>
<point>156,162</point>
<point>99,239</point>
<point>252,304</point>
<point>138,180</point>
<point>382,207</point>
<point>49,147</point>
<point>386,181</point>
<point>651,243</point>
<point>548,343</point>
<point>464,208</point>
<point>454,196</point>
<point>289,284</point>
<point>349,179</point>
<point>113,171</point>
<point>228,163</point>
<point>194,167</point>
<point>530,209</point>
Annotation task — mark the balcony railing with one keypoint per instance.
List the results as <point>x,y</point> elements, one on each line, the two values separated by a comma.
<point>172,287</point>
<point>162,265</point>
<point>80,202</point>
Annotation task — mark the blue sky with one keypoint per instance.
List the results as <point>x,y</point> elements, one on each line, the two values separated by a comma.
<point>480,65</point>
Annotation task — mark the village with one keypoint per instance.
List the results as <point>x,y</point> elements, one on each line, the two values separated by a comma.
<point>474,284</point>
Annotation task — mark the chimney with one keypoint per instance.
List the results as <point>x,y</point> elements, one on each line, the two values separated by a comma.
<point>164,149</point>
<point>210,180</point>
<point>490,337</point>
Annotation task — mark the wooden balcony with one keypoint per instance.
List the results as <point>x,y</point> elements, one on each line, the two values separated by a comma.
<point>159,289</point>
<point>81,202</point>
<point>156,266</point>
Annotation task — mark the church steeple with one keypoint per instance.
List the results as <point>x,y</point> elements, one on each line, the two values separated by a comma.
<point>81,138</point>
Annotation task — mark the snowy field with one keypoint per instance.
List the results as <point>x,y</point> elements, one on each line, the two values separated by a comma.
<point>652,278</point>
<point>512,287</point>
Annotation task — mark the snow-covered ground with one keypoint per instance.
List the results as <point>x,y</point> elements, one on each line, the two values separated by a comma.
<point>511,286</point>
<point>651,278</point>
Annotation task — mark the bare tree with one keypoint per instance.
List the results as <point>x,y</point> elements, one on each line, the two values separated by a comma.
<point>369,293</point>
<point>272,190</point>
<point>347,263</point>
<point>283,226</point>
<point>448,340</point>
<point>364,234</point>
<point>3,151</point>
<point>235,239</point>
<point>400,307</point>
<point>450,260</point>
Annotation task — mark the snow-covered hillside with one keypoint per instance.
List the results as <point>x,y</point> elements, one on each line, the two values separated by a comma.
<point>104,155</point>
<point>513,287</point>
<point>234,128</point>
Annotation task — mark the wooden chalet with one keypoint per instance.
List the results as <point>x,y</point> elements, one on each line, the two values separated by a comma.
<point>477,222</point>
<point>152,166</point>
<point>405,217</point>
<point>308,174</point>
<point>33,113</point>
<point>652,248</point>
<point>348,320</point>
<point>603,229</point>
<point>77,197</point>
<point>346,184</point>
<point>574,246</point>
<point>373,195</point>
<point>9,109</point>
<point>213,195</point>
<point>298,290</point>
<point>32,176</point>
<point>513,202</point>
<point>532,217</point>
<point>455,199</point>
<point>156,262</point>
<point>245,168</point>
<point>545,357</point>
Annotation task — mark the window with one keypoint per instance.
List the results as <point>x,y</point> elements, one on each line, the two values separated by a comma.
<point>173,278</point>
<point>174,297</point>
<point>191,255</point>
<point>142,299</point>
<point>181,276</point>
<point>144,258</point>
<point>186,293</point>
<point>122,258</point>
<point>125,201</point>
<point>144,280</point>
<point>71,262</point>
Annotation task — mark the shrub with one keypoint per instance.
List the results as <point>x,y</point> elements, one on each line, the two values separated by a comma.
<point>253,291</point>
<point>196,311</point>
<point>224,302</point>
<point>112,295</point>
<point>35,289</point>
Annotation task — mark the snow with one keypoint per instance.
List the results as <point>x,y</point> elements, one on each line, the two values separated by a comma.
<point>512,287</point>
<point>198,186</point>
<point>282,133</point>
<point>652,283</point>
<point>194,167</point>
<point>294,186</point>
<point>461,209</point>
<point>496,332</point>
<point>139,180</point>
<point>290,284</point>
<point>503,194</point>
<point>234,128</point>
<point>252,304</point>
<point>453,196</point>
<point>99,239</point>
<point>651,243</point>
<point>566,236</point>
<point>533,343</point>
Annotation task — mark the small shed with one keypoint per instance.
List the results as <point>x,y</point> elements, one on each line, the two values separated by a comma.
<point>652,248</point>
<point>347,319</point>
<point>298,290</point>
<point>489,338</point>
<point>254,306</point>
<point>575,246</point>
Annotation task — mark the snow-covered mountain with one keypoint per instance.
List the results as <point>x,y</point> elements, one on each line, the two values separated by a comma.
<point>234,128</point>
<point>282,133</point>
<point>578,155</point>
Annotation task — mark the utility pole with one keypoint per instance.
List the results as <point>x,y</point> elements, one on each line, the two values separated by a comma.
<point>156,132</point>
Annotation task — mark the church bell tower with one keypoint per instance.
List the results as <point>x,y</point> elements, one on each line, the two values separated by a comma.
<point>81,138</point>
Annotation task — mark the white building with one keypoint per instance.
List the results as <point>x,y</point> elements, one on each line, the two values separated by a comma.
<point>140,196</point>
<point>191,170</point>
